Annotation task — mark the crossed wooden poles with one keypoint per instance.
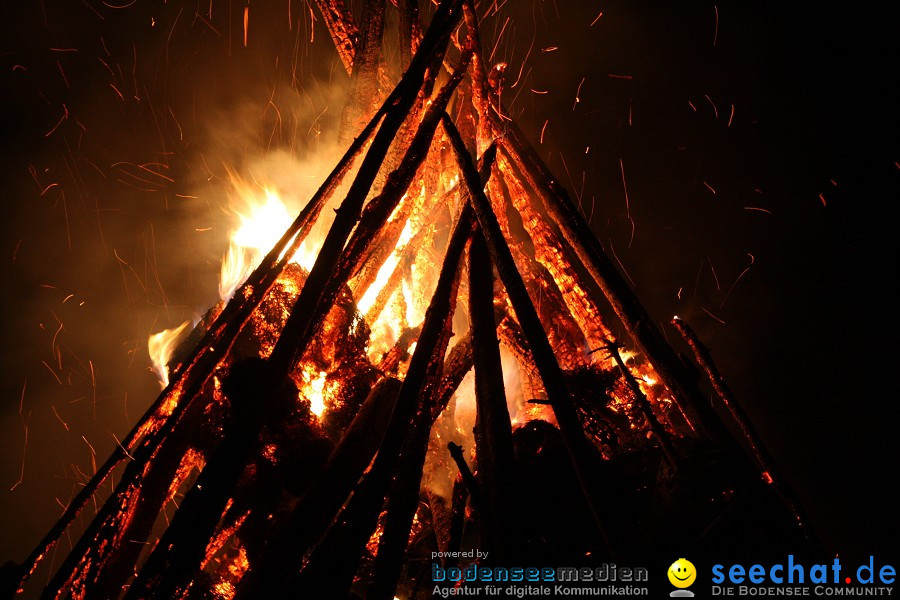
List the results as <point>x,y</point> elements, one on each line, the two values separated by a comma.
<point>377,465</point>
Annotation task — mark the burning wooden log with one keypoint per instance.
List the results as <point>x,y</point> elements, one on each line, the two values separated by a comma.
<point>361,513</point>
<point>632,314</point>
<point>347,215</point>
<point>187,380</point>
<point>366,63</point>
<point>662,437</point>
<point>493,430</point>
<point>769,471</point>
<point>583,457</point>
<point>343,30</point>
<point>177,557</point>
<point>581,239</point>
<point>408,25</point>
<point>567,341</point>
<point>403,499</point>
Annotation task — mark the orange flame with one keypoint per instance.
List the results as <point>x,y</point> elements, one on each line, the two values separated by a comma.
<point>161,345</point>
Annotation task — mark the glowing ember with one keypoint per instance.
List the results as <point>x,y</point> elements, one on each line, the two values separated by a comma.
<point>161,345</point>
<point>315,390</point>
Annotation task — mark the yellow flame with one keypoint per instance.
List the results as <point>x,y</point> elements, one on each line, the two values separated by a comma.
<point>315,389</point>
<point>161,345</point>
<point>384,273</point>
<point>261,222</point>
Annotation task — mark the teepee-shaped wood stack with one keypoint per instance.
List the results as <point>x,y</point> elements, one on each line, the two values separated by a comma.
<point>464,257</point>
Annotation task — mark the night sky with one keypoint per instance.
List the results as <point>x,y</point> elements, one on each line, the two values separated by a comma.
<point>757,144</point>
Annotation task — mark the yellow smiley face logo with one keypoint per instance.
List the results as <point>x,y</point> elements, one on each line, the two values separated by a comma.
<point>682,573</point>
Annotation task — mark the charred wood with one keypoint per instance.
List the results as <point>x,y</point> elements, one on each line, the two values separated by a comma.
<point>758,451</point>
<point>343,30</point>
<point>296,330</point>
<point>349,534</point>
<point>493,430</point>
<point>583,457</point>
<point>180,551</point>
<point>644,406</point>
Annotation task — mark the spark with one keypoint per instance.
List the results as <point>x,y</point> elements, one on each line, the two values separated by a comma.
<point>716,32</point>
<point>627,202</point>
<point>822,198</point>
<point>703,308</point>
<point>691,104</point>
<point>614,76</point>
<point>713,270</point>
<point>64,424</point>
<point>59,329</point>
<point>578,93</point>
<point>543,129</point>
<point>744,272</point>
<point>756,208</point>
<point>713,104</point>
<point>119,444</point>
<point>25,421</point>
<point>58,123</point>
<point>63,74</point>
<point>94,391</point>
<point>116,90</point>
<point>52,372</point>
<point>497,43</point>
<point>731,118</point>
<point>93,455</point>
<point>208,24</point>
<point>177,124</point>
<point>550,49</point>
<point>160,175</point>
<point>624,270</point>
<point>594,22</point>
<point>711,188</point>
<point>246,23</point>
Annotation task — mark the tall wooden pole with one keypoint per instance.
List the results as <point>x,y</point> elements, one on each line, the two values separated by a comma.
<point>769,470</point>
<point>583,456</point>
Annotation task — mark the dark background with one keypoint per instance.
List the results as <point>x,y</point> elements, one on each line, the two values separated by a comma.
<point>794,299</point>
